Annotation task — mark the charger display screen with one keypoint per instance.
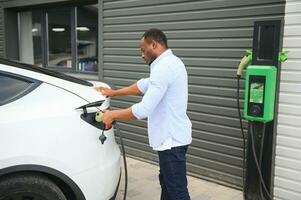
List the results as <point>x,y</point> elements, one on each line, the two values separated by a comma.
<point>256,92</point>
<point>256,95</point>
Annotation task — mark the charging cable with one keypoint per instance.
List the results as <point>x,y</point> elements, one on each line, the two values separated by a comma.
<point>243,137</point>
<point>102,138</point>
<point>258,167</point>
<point>124,162</point>
<point>261,157</point>
<point>245,61</point>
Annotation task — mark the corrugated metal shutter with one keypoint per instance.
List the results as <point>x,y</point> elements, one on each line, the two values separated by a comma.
<point>287,182</point>
<point>210,37</point>
<point>1,31</point>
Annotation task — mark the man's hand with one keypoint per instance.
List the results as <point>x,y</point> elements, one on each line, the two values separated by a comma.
<point>105,91</point>
<point>107,118</point>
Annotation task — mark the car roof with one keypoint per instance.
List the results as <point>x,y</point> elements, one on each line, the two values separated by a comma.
<point>45,71</point>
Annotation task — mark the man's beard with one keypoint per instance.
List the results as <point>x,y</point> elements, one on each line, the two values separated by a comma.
<point>151,60</point>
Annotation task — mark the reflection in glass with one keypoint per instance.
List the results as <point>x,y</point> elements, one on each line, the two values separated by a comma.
<point>87,38</point>
<point>59,37</point>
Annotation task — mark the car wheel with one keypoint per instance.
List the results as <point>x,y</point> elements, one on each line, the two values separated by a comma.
<point>29,187</point>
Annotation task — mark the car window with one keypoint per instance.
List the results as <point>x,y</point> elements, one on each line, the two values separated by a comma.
<point>44,71</point>
<point>12,88</point>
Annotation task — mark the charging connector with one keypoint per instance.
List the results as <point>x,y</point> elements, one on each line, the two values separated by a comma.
<point>245,61</point>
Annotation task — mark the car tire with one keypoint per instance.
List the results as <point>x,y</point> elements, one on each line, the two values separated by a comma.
<point>29,187</point>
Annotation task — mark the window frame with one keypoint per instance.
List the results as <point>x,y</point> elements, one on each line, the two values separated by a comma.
<point>73,38</point>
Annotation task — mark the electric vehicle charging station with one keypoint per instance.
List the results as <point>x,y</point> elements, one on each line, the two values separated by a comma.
<point>259,108</point>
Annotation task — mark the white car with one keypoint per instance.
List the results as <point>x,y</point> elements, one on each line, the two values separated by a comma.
<point>50,146</point>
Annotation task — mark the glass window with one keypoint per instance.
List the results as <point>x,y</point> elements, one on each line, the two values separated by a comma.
<point>31,37</point>
<point>11,88</point>
<point>64,38</point>
<point>87,38</point>
<point>59,37</point>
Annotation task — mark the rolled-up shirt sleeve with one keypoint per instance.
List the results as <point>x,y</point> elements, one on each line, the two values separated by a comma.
<point>143,85</point>
<point>157,86</point>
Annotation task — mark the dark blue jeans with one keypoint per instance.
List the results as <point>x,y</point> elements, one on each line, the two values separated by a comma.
<point>172,175</point>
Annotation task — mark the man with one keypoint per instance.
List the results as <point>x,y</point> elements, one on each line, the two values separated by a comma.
<point>164,104</point>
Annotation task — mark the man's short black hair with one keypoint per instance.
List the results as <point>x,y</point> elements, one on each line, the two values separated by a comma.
<point>157,35</point>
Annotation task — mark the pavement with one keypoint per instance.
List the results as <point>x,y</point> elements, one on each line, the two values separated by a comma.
<point>143,184</point>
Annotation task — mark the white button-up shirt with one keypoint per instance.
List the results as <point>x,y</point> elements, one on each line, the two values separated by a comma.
<point>165,103</point>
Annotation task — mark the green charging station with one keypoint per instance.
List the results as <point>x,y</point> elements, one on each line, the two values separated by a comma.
<point>260,88</point>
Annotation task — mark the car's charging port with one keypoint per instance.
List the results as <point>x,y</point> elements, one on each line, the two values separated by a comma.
<point>94,118</point>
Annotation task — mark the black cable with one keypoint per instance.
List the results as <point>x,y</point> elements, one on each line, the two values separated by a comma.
<point>260,159</point>
<point>124,157</point>
<point>257,164</point>
<point>124,162</point>
<point>244,140</point>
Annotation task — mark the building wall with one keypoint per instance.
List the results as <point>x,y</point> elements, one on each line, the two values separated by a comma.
<point>210,37</point>
<point>287,180</point>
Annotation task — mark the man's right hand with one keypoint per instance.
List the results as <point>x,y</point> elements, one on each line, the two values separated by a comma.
<point>105,91</point>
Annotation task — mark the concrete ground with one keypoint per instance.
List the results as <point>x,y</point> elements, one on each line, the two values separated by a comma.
<point>143,184</point>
